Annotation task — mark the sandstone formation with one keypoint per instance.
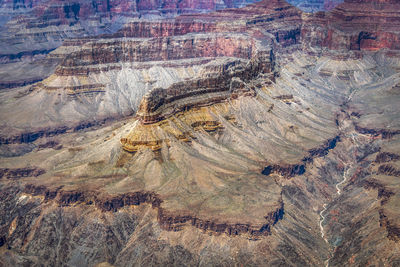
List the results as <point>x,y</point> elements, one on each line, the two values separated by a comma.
<point>32,29</point>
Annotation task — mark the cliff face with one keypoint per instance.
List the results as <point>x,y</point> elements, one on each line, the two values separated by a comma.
<point>355,26</point>
<point>167,220</point>
<point>155,49</point>
<point>32,29</point>
<point>229,81</point>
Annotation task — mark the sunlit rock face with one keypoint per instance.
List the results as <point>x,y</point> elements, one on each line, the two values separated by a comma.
<point>32,29</point>
<point>260,135</point>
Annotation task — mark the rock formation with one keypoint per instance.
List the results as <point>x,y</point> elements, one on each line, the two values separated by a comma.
<point>271,139</point>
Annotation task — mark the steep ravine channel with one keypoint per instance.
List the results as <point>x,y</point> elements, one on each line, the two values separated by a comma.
<point>346,130</point>
<point>326,205</point>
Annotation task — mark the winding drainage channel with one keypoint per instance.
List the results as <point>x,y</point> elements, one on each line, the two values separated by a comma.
<point>325,206</point>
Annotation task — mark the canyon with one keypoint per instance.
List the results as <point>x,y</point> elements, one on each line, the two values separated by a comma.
<point>169,133</point>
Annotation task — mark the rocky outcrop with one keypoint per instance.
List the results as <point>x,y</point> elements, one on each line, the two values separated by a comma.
<point>383,193</point>
<point>287,171</point>
<point>155,49</point>
<point>291,170</point>
<point>382,133</point>
<point>230,79</point>
<point>36,28</point>
<point>101,15</point>
<point>181,126</point>
<point>167,220</point>
<point>17,173</point>
<point>172,222</point>
<point>386,157</point>
<point>163,28</point>
<point>32,136</point>
<point>388,169</point>
<point>29,137</point>
<point>225,79</point>
<point>253,19</point>
<point>323,149</point>
<point>50,144</point>
<point>13,84</point>
<point>348,27</point>
<point>393,231</point>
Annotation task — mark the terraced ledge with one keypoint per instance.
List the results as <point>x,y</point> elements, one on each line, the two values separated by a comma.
<point>386,157</point>
<point>170,221</point>
<point>393,231</point>
<point>389,170</point>
<point>188,99</point>
<point>291,170</point>
<point>17,173</point>
<point>383,193</point>
<point>33,135</point>
<point>384,134</point>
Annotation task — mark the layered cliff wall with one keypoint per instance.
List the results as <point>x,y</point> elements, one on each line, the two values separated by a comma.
<point>225,79</point>
<point>355,26</point>
<point>157,49</point>
<point>170,221</point>
<point>88,65</point>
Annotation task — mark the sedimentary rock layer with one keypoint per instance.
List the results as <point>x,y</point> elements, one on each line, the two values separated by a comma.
<point>20,172</point>
<point>157,49</point>
<point>168,220</point>
<point>355,26</point>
